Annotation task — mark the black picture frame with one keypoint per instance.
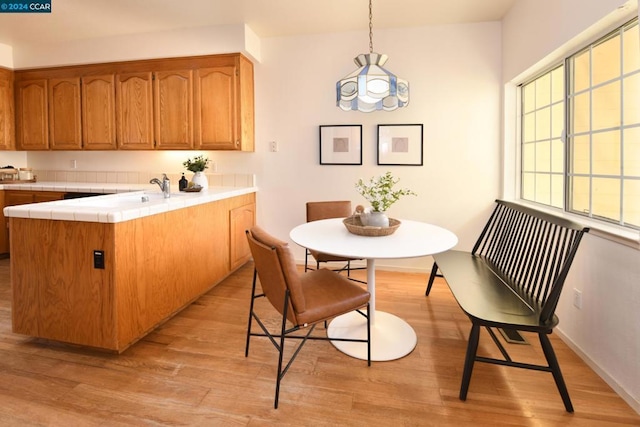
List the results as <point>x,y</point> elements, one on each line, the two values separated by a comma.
<point>400,145</point>
<point>340,144</point>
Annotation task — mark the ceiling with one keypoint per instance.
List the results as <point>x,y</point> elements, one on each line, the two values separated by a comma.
<point>87,19</point>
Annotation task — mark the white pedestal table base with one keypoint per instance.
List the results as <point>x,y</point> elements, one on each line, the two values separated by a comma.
<point>391,337</point>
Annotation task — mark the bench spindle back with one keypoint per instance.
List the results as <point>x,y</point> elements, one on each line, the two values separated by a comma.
<point>531,251</point>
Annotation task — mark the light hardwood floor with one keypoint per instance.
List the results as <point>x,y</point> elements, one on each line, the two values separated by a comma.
<point>192,371</point>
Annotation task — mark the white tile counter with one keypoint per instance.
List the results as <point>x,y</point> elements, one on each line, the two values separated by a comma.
<point>79,187</point>
<point>130,201</point>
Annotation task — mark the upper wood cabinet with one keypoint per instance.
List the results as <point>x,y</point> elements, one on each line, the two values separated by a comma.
<point>99,112</point>
<point>203,102</point>
<point>216,112</point>
<point>224,107</point>
<point>32,122</point>
<point>173,109</point>
<point>246,119</point>
<point>134,106</point>
<point>6,110</point>
<point>65,131</point>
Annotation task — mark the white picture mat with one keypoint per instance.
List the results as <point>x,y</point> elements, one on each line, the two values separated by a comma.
<point>341,145</point>
<point>400,145</point>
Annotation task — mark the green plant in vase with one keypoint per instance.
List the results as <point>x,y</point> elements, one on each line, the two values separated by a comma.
<point>380,193</point>
<point>198,166</point>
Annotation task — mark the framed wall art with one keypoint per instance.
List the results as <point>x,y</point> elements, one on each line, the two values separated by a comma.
<point>400,145</point>
<point>341,145</point>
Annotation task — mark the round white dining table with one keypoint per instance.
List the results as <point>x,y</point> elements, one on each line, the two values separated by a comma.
<point>391,336</point>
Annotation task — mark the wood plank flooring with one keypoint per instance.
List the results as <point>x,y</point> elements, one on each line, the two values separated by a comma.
<point>192,371</point>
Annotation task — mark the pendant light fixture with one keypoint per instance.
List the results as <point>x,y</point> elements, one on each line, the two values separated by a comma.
<point>371,87</point>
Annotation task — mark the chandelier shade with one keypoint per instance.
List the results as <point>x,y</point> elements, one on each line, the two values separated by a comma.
<point>371,87</point>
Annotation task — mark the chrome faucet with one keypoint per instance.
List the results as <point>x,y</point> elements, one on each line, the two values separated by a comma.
<point>165,185</point>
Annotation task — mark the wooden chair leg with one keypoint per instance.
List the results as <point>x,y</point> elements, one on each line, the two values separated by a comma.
<point>434,273</point>
<point>555,370</point>
<point>472,348</point>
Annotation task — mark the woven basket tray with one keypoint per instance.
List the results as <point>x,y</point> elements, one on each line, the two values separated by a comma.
<point>354,225</point>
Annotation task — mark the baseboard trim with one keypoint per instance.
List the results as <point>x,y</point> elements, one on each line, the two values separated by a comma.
<point>631,401</point>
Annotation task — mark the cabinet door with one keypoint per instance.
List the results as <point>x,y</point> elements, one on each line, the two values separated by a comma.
<point>6,111</point>
<point>99,112</point>
<point>20,197</point>
<point>4,227</point>
<point>216,109</point>
<point>134,106</point>
<point>32,124</point>
<point>246,115</point>
<point>240,220</point>
<point>173,104</point>
<point>64,114</point>
<point>13,198</point>
<point>47,196</point>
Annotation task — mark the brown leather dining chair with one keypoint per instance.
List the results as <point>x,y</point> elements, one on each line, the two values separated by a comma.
<point>327,210</point>
<point>302,299</point>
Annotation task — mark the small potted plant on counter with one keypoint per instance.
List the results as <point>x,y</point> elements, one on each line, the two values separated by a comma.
<point>197,166</point>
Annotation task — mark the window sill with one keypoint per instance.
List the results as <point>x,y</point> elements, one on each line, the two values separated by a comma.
<point>621,235</point>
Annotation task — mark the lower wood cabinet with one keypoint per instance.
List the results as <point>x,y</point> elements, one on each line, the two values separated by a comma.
<point>240,219</point>
<point>154,267</point>
<point>4,230</point>
<point>20,197</point>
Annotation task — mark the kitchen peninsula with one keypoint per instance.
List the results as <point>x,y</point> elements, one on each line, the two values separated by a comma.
<point>104,271</point>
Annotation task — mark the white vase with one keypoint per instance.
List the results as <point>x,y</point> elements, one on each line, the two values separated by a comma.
<point>377,219</point>
<point>200,179</point>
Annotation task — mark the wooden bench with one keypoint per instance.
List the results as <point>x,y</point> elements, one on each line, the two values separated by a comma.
<point>512,280</point>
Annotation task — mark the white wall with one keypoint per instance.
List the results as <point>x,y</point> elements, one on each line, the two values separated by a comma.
<point>606,331</point>
<point>181,42</point>
<point>6,56</point>
<point>457,108</point>
<point>295,93</point>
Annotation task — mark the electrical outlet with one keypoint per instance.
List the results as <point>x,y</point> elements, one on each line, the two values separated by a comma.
<point>214,167</point>
<point>577,298</point>
<point>273,146</point>
<point>98,259</point>
<point>74,164</point>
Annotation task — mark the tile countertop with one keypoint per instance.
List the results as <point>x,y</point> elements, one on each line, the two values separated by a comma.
<point>78,187</point>
<point>125,205</point>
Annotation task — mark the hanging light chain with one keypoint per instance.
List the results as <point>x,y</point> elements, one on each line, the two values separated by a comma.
<point>370,28</point>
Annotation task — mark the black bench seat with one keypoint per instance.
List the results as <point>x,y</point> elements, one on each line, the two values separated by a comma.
<point>512,279</point>
<point>484,296</point>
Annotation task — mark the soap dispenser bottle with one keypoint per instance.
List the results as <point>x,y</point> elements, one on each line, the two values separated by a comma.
<point>183,183</point>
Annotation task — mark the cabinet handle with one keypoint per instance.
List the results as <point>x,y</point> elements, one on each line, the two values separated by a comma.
<point>237,142</point>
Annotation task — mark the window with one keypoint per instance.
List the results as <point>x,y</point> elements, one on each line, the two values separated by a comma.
<point>543,139</point>
<point>580,124</point>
